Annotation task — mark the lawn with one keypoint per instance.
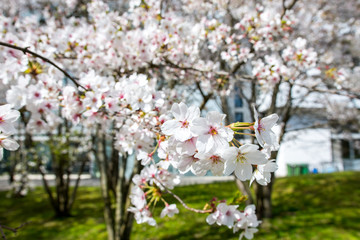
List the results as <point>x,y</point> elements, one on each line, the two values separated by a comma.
<point>323,206</point>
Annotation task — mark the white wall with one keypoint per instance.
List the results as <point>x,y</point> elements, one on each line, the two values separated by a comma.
<point>310,146</point>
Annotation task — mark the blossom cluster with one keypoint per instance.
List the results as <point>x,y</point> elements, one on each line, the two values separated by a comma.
<point>230,216</point>
<point>152,179</point>
<point>198,144</point>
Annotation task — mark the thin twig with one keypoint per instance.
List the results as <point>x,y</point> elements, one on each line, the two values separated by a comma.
<point>26,50</point>
<point>14,230</point>
<point>181,201</point>
<point>2,233</point>
<point>186,206</point>
<point>345,92</point>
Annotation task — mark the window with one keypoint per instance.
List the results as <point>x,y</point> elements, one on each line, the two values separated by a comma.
<point>350,149</point>
<point>239,117</point>
<point>238,101</point>
<point>345,149</point>
<point>357,148</point>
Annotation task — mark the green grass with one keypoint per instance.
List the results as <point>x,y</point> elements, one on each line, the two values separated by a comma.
<point>324,206</point>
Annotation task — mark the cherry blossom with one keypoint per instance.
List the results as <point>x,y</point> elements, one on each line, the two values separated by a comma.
<point>262,174</point>
<point>211,132</point>
<point>263,130</point>
<point>8,143</point>
<point>7,119</point>
<point>180,126</point>
<point>224,215</point>
<point>240,160</point>
<point>169,210</point>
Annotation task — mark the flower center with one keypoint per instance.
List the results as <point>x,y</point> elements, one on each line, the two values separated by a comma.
<point>241,158</point>
<point>213,131</point>
<point>260,128</point>
<point>215,159</point>
<point>185,124</point>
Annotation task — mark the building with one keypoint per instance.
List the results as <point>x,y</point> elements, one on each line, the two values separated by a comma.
<point>310,144</point>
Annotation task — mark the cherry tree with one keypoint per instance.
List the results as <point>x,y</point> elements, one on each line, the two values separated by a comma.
<point>137,82</point>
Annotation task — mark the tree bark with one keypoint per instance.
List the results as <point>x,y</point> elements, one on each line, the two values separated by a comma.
<point>118,220</point>
<point>104,184</point>
<point>263,200</point>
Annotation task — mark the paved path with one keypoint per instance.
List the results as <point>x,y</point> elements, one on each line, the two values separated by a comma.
<point>86,180</point>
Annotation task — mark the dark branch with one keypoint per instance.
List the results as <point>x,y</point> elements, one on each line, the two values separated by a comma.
<point>14,230</point>
<point>285,8</point>
<point>342,92</point>
<point>26,50</point>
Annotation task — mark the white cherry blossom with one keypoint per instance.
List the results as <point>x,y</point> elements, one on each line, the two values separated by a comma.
<point>240,160</point>
<point>180,126</point>
<point>169,210</point>
<point>211,132</point>
<point>224,215</point>
<point>7,119</point>
<point>263,130</point>
<point>262,174</point>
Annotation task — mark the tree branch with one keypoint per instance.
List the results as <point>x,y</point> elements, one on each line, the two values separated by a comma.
<point>2,233</point>
<point>181,201</point>
<point>26,50</point>
<point>285,8</point>
<point>346,92</point>
<point>14,230</point>
<point>73,195</point>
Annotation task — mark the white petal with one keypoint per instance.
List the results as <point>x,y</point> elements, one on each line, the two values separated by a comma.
<point>215,117</point>
<point>204,143</point>
<point>9,144</point>
<point>229,167</point>
<point>271,166</point>
<point>193,112</point>
<point>183,111</point>
<point>211,219</point>
<point>182,134</point>
<point>249,233</point>
<point>243,171</point>
<point>12,116</point>
<point>175,110</point>
<point>199,126</point>
<point>248,147</point>
<point>169,127</point>
<point>230,154</point>
<point>7,128</point>
<point>5,108</point>
<point>270,121</point>
<point>256,157</point>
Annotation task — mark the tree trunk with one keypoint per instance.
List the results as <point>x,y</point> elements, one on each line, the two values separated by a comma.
<point>104,184</point>
<point>263,195</point>
<point>115,185</point>
<point>263,200</point>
